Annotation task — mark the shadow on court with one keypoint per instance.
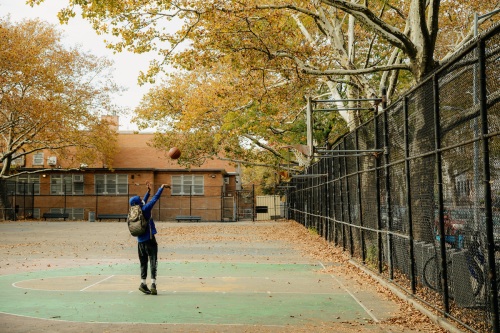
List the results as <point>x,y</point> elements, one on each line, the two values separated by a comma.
<point>212,277</point>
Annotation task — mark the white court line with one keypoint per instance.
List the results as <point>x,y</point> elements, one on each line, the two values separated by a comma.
<point>352,295</point>
<point>209,278</point>
<point>109,277</point>
<point>247,292</point>
<point>128,323</point>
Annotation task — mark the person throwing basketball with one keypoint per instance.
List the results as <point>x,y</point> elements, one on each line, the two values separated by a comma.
<point>146,243</point>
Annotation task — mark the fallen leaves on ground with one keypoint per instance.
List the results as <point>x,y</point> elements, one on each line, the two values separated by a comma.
<point>314,246</point>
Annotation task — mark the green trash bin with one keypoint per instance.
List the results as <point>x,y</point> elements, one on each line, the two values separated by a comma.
<point>91,216</point>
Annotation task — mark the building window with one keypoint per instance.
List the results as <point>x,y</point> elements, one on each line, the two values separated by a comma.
<point>38,159</point>
<point>66,184</point>
<point>187,185</point>
<point>111,184</point>
<point>73,213</point>
<point>18,160</point>
<point>24,184</point>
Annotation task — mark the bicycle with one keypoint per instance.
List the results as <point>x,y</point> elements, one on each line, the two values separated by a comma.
<point>474,257</point>
<point>432,272</point>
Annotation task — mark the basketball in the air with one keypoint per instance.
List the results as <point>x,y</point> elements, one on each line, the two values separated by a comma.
<point>174,153</point>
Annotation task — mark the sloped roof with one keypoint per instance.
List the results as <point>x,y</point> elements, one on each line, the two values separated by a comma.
<point>134,152</point>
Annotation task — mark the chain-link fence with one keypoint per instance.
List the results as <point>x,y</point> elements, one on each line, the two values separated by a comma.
<point>83,201</point>
<point>425,211</point>
<point>70,202</point>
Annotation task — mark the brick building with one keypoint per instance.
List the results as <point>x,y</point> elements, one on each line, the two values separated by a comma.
<point>208,191</point>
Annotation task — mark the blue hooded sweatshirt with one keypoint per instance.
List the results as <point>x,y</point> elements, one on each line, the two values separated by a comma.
<point>146,207</point>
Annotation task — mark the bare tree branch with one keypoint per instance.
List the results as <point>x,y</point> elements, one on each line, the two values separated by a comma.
<point>3,176</point>
<point>370,20</point>
<point>264,146</point>
<point>356,71</point>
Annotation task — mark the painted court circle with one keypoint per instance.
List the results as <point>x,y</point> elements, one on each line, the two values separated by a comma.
<point>189,293</point>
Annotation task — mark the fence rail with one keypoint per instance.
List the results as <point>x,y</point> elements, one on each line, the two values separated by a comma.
<point>425,213</point>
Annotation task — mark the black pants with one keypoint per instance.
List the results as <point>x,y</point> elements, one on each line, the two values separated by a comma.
<point>148,250</point>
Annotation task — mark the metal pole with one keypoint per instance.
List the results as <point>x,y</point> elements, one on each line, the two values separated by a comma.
<point>343,109</point>
<point>309,126</point>
<point>335,231</point>
<point>222,203</point>
<point>236,205</point>
<point>347,100</point>
<point>14,201</point>
<point>253,202</point>
<point>26,191</point>
<point>316,202</point>
<point>359,197</point>
<point>488,218</point>
<point>96,202</point>
<point>346,155</point>
<point>351,151</point>
<point>408,196</point>
<point>33,199</point>
<point>385,119</point>
<point>477,17</point>
<point>321,202</point>
<point>377,193</point>
<point>475,127</point>
<point>64,182</point>
<point>342,200</point>
<point>329,199</point>
<point>190,194</point>
<point>349,218</point>
<point>439,170</point>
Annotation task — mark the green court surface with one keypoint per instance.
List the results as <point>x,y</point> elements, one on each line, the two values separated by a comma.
<point>212,277</point>
<point>189,293</point>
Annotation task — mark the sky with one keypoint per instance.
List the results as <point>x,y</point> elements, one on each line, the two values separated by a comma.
<point>80,33</point>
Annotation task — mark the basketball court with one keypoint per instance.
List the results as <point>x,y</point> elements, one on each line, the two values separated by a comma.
<point>214,280</point>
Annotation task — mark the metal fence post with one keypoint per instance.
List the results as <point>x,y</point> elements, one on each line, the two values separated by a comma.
<point>348,220</point>
<point>324,200</point>
<point>388,199</point>
<point>439,171</point>
<point>343,173</point>
<point>96,202</point>
<point>408,195</point>
<point>328,199</point>
<point>14,203</point>
<point>65,197</point>
<point>377,193</point>
<point>359,196</point>
<point>488,218</point>
<point>253,202</point>
<point>335,179</point>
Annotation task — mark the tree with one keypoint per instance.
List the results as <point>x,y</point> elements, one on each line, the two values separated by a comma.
<point>346,48</point>
<point>221,110</point>
<point>51,99</point>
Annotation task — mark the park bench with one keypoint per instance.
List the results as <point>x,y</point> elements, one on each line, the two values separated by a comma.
<point>111,217</point>
<point>55,216</point>
<point>187,218</point>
